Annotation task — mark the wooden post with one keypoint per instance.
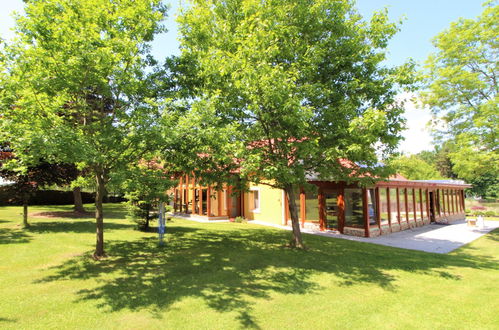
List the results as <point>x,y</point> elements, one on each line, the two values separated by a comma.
<point>322,209</point>
<point>341,209</point>
<point>229,202</point>
<point>200,200</point>
<point>187,193</point>
<point>454,206</point>
<point>208,201</point>
<point>241,197</point>
<point>447,208</point>
<point>463,200</point>
<point>193,192</point>
<point>428,204</point>
<point>398,206</point>
<point>439,200</point>
<point>421,203</point>
<point>175,199</point>
<point>389,208</point>
<point>377,202</point>
<point>181,185</point>
<point>365,212</point>
<point>219,203</point>
<point>414,208</point>
<point>406,206</point>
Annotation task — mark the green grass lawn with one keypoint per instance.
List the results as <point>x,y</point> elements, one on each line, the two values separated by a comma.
<point>228,276</point>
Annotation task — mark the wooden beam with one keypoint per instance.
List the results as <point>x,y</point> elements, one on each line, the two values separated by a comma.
<point>241,197</point>
<point>398,206</point>
<point>229,202</point>
<point>389,208</point>
<point>406,206</point>
<point>414,208</point>
<point>175,199</point>
<point>200,200</point>
<point>322,209</point>
<point>427,199</point>
<point>463,200</point>
<point>421,203</point>
<point>454,206</point>
<point>181,185</point>
<point>219,203</point>
<point>208,202</point>
<point>341,209</point>
<point>193,192</point>
<point>377,204</point>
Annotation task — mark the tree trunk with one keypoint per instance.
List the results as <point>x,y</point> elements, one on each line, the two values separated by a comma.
<point>99,216</point>
<point>78,202</point>
<point>25,212</point>
<point>147,218</point>
<point>296,240</point>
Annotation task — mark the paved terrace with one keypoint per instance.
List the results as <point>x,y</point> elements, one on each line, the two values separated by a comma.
<point>431,238</point>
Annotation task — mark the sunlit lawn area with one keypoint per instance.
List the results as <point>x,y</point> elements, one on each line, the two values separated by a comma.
<point>227,276</point>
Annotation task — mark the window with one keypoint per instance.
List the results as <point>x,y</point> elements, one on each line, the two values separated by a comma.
<point>353,208</point>
<point>372,207</point>
<point>410,204</point>
<point>383,205</point>
<point>311,205</point>
<point>402,203</point>
<point>255,200</point>
<point>418,210</point>
<point>424,200</point>
<point>394,205</point>
<point>442,201</point>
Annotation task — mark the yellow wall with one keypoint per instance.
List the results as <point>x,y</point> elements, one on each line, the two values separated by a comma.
<point>270,204</point>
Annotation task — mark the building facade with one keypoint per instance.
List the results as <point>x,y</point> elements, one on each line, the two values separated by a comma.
<point>386,207</point>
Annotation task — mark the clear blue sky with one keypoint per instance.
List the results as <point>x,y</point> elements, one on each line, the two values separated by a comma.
<point>423,20</point>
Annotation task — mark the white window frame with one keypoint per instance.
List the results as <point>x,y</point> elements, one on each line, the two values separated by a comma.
<point>252,190</point>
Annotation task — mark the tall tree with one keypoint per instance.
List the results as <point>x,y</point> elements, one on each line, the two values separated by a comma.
<point>414,168</point>
<point>304,85</point>
<point>462,91</point>
<point>145,186</point>
<point>76,84</point>
<point>26,183</point>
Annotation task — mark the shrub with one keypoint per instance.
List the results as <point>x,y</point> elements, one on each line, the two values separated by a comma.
<point>140,213</point>
<point>240,220</point>
<point>490,213</point>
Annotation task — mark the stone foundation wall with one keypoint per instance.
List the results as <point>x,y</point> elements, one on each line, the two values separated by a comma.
<point>451,218</point>
<point>354,231</point>
<point>395,227</point>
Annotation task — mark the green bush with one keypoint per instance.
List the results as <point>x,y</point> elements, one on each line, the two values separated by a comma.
<point>490,213</point>
<point>240,220</point>
<point>140,213</point>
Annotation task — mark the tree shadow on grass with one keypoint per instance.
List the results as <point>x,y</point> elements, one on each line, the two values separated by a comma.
<point>494,235</point>
<point>231,269</point>
<point>74,226</point>
<point>13,236</point>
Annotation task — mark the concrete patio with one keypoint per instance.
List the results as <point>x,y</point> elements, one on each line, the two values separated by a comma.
<point>432,238</point>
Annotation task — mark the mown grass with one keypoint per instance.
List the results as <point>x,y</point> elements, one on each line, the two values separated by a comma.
<point>227,276</point>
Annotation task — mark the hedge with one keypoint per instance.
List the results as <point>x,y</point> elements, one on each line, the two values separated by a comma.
<point>51,197</point>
